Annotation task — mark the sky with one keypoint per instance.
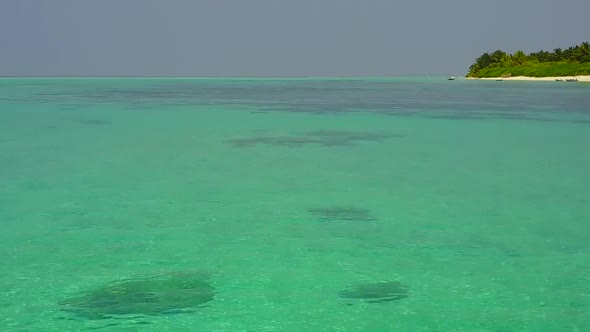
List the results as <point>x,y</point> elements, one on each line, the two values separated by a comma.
<point>276,37</point>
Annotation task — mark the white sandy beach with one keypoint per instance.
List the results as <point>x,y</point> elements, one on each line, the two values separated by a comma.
<point>526,78</point>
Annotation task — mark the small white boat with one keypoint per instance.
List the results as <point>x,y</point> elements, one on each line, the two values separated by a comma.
<point>451,78</point>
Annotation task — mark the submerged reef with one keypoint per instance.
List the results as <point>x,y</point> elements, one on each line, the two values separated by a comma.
<point>384,291</point>
<point>324,138</point>
<point>164,294</point>
<point>341,213</point>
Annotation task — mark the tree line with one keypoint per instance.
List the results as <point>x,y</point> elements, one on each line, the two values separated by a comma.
<point>578,54</point>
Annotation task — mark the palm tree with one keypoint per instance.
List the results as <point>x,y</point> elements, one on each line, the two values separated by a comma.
<point>498,56</point>
<point>506,60</point>
<point>556,55</point>
<point>519,58</point>
<point>541,56</point>
<point>585,52</point>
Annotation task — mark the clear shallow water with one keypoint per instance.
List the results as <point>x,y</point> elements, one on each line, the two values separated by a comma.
<point>473,195</point>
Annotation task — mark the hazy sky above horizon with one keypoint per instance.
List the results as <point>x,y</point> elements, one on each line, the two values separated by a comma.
<point>276,37</point>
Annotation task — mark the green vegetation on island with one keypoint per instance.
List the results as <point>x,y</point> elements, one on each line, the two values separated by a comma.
<point>573,61</point>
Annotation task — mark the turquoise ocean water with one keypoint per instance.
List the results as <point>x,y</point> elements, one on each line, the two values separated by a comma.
<point>365,204</point>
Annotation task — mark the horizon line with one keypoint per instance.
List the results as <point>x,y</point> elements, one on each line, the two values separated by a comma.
<point>209,77</point>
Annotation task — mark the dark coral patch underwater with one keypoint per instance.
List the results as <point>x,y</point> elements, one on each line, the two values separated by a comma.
<point>324,138</point>
<point>384,291</point>
<point>342,213</point>
<point>163,294</point>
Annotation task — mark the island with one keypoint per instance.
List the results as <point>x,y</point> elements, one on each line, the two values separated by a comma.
<point>571,64</point>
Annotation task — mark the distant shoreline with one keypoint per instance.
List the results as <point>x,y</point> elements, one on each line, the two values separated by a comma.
<point>559,64</point>
<point>580,78</point>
